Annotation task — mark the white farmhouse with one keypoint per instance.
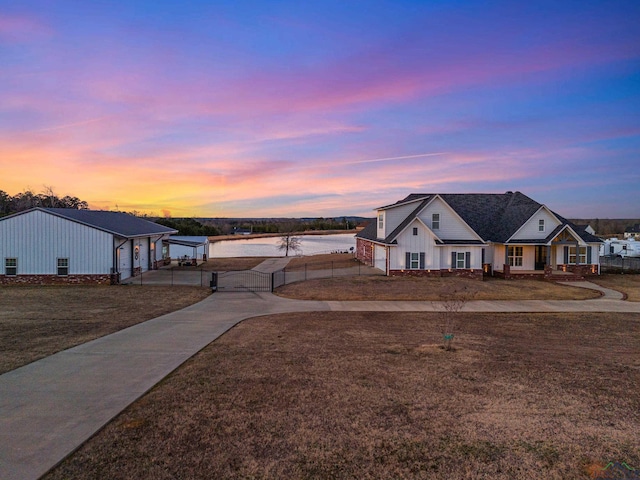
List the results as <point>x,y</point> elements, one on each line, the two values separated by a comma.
<point>508,235</point>
<point>60,245</point>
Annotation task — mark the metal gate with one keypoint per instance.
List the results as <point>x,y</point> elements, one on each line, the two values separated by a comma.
<point>242,281</point>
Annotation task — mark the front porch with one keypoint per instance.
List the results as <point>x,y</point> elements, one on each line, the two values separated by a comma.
<point>563,273</point>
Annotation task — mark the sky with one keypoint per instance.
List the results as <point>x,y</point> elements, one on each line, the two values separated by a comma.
<point>320,108</point>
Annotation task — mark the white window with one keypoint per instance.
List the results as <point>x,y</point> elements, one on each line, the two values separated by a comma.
<point>435,221</point>
<point>515,256</point>
<point>381,220</point>
<point>415,261</point>
<point>541,225</point>
<point>583,255</point>
<point>63,267</point>
<point>460,260</point>
<point>11,266</point>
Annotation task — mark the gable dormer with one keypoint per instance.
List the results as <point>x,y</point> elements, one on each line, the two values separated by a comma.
<point>445,223</point>
<point>390,217</point>
<point>538,226</point>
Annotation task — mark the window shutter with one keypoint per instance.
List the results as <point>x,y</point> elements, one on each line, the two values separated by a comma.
<point>421,260</point>
<point>588,255</point>
<point>407,260</point>
<point>453,259</point>
<point>566,255</point>
<point>467,259</point>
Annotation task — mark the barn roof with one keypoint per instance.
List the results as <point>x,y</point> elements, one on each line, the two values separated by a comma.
<point>117,223</point>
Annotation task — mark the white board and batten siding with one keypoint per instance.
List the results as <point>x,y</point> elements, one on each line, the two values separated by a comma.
<point>423,242</point>
<point>475,258</point>
<point>451,227</point>
<point>531,228</point>
<point>37,239</point>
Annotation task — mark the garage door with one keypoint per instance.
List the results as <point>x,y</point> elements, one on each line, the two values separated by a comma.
<point>380,258</point>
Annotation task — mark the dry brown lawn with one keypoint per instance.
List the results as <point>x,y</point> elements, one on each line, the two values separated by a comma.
<point>39,321</point>
<point>416,288</point>
<point>627,284</point>
<point>323,261</point>
<point>371,395</point>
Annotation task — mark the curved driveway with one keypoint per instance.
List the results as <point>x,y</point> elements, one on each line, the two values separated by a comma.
<point>50,407</point>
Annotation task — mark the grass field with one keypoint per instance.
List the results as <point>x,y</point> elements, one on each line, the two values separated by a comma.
<point>416,288</point>
<point>627,284</point>
<point>39,321</point>
<point>372,395</point>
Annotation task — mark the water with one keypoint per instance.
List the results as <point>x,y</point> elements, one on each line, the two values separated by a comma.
<point>268,247</point>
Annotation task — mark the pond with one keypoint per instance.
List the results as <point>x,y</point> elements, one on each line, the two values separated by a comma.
<point>268,247</point>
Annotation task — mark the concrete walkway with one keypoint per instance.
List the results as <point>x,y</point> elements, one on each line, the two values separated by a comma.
<point>271,265</point>
<point>50,407</point>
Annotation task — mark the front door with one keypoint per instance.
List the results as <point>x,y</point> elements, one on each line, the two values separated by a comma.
<point>541,257</point>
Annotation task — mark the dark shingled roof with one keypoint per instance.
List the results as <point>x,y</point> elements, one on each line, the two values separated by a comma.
<point>118,223</point>
<point>493,216</point>
<point>370,232</point>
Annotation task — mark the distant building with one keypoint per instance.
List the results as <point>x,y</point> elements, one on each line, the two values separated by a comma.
<point>632,231</point>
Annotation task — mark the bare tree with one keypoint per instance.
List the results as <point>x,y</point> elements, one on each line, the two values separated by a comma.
<point>289,241</point>
<point>452,303</point>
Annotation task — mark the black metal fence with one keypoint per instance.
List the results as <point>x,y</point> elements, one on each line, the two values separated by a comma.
<point>248,280</point>
<point>611,264</point>
<point>174,276</point>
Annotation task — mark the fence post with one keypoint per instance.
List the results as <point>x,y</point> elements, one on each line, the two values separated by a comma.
<point>273,278</point>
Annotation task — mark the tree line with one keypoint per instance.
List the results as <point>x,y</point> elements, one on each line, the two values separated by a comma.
<point>29,199</point>
<point>608,227</point>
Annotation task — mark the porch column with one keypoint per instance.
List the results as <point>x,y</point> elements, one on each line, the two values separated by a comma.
<point>577,253</point>
<point>506,254</point>
<point>548,262</point>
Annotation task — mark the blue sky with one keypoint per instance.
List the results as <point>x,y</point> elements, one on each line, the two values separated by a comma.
<point>321,109</point>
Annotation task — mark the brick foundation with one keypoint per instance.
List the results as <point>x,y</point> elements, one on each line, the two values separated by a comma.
<point>56,280</point>
<point>475,274</point>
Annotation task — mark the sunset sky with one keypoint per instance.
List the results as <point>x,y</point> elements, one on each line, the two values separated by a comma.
<point>327,108</point>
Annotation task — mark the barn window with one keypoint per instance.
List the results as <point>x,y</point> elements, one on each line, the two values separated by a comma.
<point>541,225</point>
<point>63,267</point>
<point>381,220</point>
<point>11,266</point>
<point>415,231</point>
<point>435,221</point>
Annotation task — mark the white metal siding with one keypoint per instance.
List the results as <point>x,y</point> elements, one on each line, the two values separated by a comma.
<point>37,239</point>
<point>124,258</point>
<point>451,226</point>
<point>530,229</point>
